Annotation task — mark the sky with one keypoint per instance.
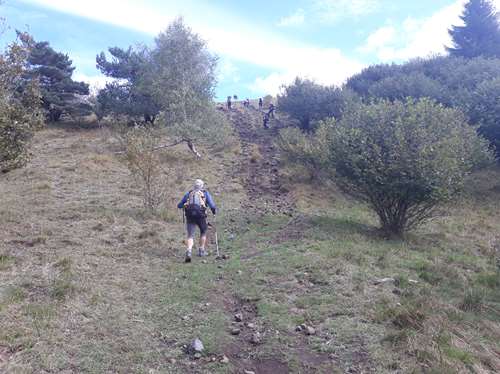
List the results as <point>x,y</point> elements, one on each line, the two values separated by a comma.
<point>261,44</point>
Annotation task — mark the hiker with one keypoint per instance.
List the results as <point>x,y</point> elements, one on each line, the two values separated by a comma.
<point>229,102</point>
<point>261,103</point>
<point>247,103</point>
<point>195,204</point>
<point>266,120</point>
<point>271,110</point>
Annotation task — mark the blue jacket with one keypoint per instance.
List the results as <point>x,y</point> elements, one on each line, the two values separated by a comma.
<point>208,198</point>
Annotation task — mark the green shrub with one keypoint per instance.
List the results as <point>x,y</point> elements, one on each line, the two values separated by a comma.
<point>404,158</point>
<point>19,108</point>
<point>309,102</point>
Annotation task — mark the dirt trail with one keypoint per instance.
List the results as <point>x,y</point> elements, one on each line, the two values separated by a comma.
<point>259,170</point>
<point>260,164</point>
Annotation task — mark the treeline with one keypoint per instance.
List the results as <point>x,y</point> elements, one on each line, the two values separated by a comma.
<point>403,138</point>
<point>170,86</point>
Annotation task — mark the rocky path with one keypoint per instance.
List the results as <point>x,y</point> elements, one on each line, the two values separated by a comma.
<point>260,163</point>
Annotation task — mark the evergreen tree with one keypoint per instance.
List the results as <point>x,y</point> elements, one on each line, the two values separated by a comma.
<point>129,93</point>
<point>480,35</point>
<point>54,71</point>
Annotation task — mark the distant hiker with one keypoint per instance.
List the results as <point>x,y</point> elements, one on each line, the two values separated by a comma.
<point>266,120</point>
<point>247,103</point>
<point>195,204</point>
<point>229,102</point>
<point>261,103</point>
<point>271,110</point>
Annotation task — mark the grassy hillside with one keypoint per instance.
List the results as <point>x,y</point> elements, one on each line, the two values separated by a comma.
<point>89,283</point>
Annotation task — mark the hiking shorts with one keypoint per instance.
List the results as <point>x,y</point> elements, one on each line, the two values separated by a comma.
<point>201,223</point>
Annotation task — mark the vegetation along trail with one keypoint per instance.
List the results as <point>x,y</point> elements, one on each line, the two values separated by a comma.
<point>358,225</point>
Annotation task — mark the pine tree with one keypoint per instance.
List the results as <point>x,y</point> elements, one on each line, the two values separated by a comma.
<point>54,71</point>
<point>480,35</point>
<point>129,93</point>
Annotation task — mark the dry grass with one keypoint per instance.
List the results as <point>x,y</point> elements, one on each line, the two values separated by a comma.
<point>91,283</point>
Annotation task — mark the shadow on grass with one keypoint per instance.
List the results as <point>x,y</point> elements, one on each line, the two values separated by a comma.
<point>345,227</point>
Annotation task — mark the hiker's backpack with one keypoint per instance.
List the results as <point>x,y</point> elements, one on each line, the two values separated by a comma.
<point>196,205</point>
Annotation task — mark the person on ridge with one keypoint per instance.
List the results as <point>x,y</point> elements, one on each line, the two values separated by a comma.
<point>229,103</point>
<point>271,110</point>
<point>261,103</point>
<point>266,120</point>
<point>195,204</point>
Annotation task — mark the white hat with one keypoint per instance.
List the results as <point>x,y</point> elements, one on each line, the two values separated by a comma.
<point>198,184</point>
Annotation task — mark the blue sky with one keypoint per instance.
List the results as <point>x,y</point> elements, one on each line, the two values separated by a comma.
<point>261,44</point>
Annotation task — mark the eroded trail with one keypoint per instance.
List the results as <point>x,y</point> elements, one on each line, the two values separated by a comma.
<point>260,163</point>
<point>254,346</point>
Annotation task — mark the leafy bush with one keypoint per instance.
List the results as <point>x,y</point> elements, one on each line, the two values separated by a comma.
<point>470,85</point>
<point>20,112</point>
<point>142,158</point>
<point>485,110</point>
<point>309,102</point>
<point>404,158</point>
<point>402,86</point>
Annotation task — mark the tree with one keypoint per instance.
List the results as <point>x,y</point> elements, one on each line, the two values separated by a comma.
<point>182,81</point>
<point>129,93</point>
<point>54,71</point>
<point>309,102</point>
<point>404,159</point>
<point>20,111</point>
<point>480,35</point>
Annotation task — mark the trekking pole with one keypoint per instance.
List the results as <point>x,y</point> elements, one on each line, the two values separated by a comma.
<point>216,238</point>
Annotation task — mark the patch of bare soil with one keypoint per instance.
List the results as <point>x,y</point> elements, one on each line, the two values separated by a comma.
<point>259,166</point>
<point>243,353</point>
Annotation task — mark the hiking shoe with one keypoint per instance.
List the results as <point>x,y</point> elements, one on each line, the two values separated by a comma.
<point>202,252</point>
<point>188,257</point>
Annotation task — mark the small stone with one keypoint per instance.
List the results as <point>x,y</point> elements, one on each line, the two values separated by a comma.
<point>220,266</point>
<point>383,281</point>
<point>224,360</point>
<point>197,346</point>
<point>249,372</point>
<point>240,272</point>
<point>238,317</point>
<point>310,330</point>
<point>235,331</point>
<point>204,262</point>
<point>251,326</point>
<point>256,338</point>
<point>197,356</point>
<point>173,361</point>
<point>185,318</point>
<point>298,328</point>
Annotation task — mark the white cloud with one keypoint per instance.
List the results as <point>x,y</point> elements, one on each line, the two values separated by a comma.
<point>227,71</point>
<point>95,82</point>
<point>416,37</point>
<point>294,19</point>
<point>379,39</point>
<point>232,38</point>
<point>328,67</point>
<point>333,10</point>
